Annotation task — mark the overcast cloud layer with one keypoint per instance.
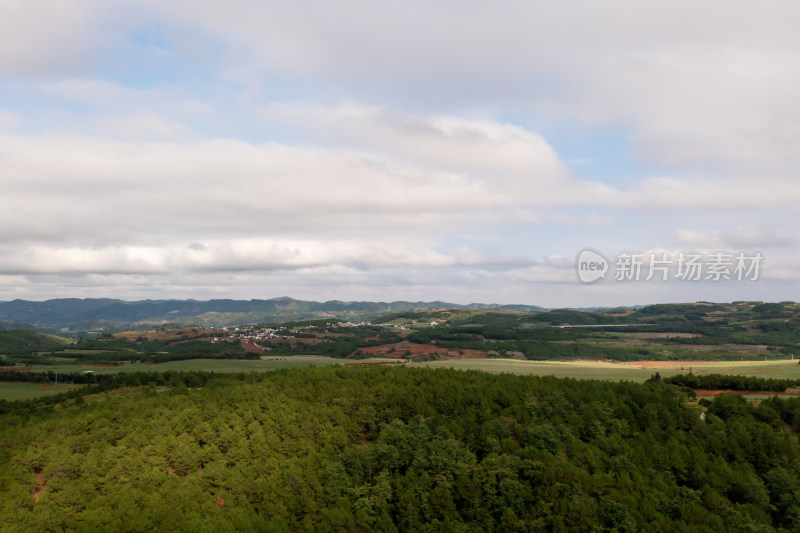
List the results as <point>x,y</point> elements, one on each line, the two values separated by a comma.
<point>462,151</point>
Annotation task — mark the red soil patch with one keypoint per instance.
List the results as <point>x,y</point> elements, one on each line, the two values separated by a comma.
<point>707,393</point>
<point>165,335</point>
<point>12,368</point>
<point>193,339</point>
<point>309,341</point>
<point>40,482</point>
<point>419,351</point>
<point>743,348</point>
<point>666,364</point>
<point>377,363</point>
<point>249,346</point>
<point>661,335</point>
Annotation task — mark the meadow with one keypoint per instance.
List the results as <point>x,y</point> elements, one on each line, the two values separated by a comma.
<point>22,391</point>
<point>205,365</point>
<point>25,391</point>
<point>637,371</point>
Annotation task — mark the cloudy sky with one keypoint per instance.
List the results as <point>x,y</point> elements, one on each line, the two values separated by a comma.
<point>369,150</point>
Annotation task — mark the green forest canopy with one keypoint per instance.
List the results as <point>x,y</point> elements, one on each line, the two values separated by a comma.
<point>377,448</point>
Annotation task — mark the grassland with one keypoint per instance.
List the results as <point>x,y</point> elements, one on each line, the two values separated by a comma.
<point>205,365</point>
<point>638,371</point>
<point>24,391</point>
<point>20,391</point>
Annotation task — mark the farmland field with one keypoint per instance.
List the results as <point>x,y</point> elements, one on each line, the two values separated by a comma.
<point>205,365</point>
<point>25,391</point>
<point>634,371</point>
<point>637,371</point>
<point>22,391</point>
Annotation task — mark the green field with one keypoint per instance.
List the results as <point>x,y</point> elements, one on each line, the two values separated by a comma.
<point>634,371</point>
<point>22,391</point>
<point>637,371</point>
<point>25,391</point>
<point>205,365</point>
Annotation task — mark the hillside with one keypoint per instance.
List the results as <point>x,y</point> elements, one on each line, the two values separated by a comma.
<point>118,314</point>
<point>22,341</point>
<point>389,449</point>
<point>71,316</point>
<point>677,332</point>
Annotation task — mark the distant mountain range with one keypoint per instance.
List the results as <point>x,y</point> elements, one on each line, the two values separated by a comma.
<point>104,313</point>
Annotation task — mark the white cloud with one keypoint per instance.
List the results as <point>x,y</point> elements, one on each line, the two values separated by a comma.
<point>479,147</point>
<point>739,238</point>
<point>710,83</point>
<point>47,37</point>
<point>386,178</point>
<point>395,174</point>
<point>359,143</point>
<point>9,121</point>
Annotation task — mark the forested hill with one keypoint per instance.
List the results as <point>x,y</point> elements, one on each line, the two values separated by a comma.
<point>72,315</point>
<point>25,341</point>
<point>398,449</point>
<point>108,312</point>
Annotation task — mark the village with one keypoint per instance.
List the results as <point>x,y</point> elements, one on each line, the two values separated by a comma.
<point>255,333</point>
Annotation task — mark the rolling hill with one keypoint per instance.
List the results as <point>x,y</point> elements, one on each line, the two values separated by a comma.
<point>20,340</point>
<point>113,314</point>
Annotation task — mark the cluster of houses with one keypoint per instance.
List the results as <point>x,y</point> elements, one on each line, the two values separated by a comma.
<point>252,333</point>
<point>260,333</point>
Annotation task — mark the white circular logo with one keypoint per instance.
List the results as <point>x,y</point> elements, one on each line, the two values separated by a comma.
<point>591,266</point>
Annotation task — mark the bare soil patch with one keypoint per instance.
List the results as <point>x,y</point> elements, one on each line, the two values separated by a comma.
<point>660,335</point>
<point>711,393</point>
<point>666,364</point>
<point>40,484</point>
<point>250,346</point>
<point>168,334</point>
<point>309,341</point>
<point>420,351</point>
<point>391,362</point>
<point>743,348</point>
<point>291,357</point>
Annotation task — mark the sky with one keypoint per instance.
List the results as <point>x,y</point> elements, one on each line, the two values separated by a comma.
<point>372,150</point>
